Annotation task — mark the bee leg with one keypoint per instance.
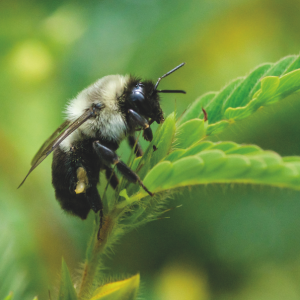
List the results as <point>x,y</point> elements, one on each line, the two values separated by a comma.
<point>138,119</point>
<point>110,157</point>
<point>95,202</point>
<point>112,177</point>
<point>91,194</point>
<point>148,135</point>
<point>132,141</point>
<point>143,122</point>
<point>94,199</point>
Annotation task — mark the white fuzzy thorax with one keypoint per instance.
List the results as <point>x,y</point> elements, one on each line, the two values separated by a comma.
<point>110,123</point>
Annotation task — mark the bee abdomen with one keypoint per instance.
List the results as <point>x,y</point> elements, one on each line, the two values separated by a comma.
<point>75,175</point>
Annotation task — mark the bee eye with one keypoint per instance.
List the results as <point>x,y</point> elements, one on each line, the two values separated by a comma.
<point>137,97</point>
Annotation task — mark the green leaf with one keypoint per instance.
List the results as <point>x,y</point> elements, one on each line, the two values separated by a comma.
<point>184,171</point>
<point>293,66</point>
<point>164,142</point>
<point>225,146</point>
<point>190,133</point>
<point>291,158</point>
<point>272,90</point>
<point>211,102</point>
<point>175,155</point>
<point>236,101</point>
<point>123,193</point>
<point>160,174</point>
<point>198,148</point>
<point>136,163</point>
<point>242,97</point>
<point>218,127</point>
<point>224,162</point>
<point>66,289</point>
<point>195,110</point>
<point>123,290</point>
<point>277,69</point>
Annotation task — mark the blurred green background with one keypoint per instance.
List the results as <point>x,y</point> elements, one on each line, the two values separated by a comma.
<point>225,242</point>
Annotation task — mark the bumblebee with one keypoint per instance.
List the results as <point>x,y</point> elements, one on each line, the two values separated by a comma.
<point>97,120</point>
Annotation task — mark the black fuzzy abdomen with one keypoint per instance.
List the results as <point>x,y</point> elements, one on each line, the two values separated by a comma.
<point>64,178</point>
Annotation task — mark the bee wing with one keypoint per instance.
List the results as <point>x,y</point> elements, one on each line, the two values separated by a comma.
<point>49,141</point>
<point>56,138</point>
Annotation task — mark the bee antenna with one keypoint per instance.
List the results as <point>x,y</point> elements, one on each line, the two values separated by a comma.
<point>170,72</point>
<point>171,91</point>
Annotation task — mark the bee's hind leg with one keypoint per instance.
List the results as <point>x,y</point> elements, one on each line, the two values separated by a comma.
<point>90,193</point>
<point>94,199</point>
<point>110,157</point>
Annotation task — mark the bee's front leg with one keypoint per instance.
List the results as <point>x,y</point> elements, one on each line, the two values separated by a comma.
<point>132,141</point>
<point>143,122</point>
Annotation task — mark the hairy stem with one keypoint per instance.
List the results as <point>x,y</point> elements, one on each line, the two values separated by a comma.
<point>94,251</point>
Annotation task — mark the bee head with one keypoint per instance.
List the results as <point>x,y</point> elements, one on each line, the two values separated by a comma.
<point>143,97</point>
<point>144,101</point>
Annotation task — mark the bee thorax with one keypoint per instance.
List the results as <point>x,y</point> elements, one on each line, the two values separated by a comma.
<point>110,124</point>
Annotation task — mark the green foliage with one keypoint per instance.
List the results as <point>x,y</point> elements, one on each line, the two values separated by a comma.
<point>53,49</point>
<point>264,86</point>
<point>66,289</point>
<point>189,133</point>
<point>193,162</point>
<point>181,156</point>
<point>125,290</point>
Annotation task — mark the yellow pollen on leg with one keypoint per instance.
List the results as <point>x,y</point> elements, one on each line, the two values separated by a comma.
<point>82,182</point>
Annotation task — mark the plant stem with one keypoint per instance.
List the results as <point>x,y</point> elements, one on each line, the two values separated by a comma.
<point>94,251</point>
